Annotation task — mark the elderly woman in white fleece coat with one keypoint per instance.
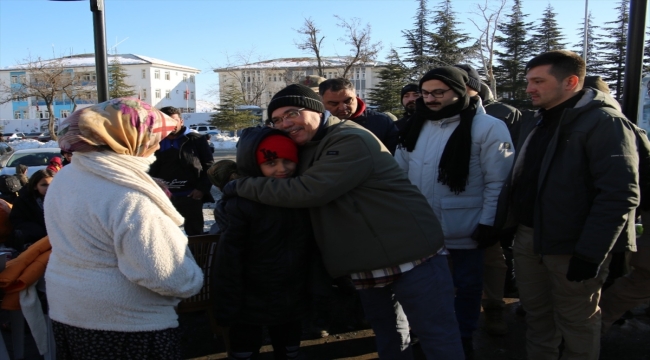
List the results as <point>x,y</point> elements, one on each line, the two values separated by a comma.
<point>119,262</point>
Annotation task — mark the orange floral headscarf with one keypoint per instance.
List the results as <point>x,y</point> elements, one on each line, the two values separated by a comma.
<point>126,126</point>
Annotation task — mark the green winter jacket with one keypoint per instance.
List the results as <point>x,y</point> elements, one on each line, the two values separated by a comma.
<point>588,183</point>
<point>365,213</point>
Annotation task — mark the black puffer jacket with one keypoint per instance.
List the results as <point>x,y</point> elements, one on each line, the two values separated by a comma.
<point>262,261</point>
<point>28,220</point>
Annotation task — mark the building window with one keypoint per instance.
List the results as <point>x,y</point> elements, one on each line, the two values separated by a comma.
<point>192,95</point>
<point>89,77</point>
<point>156,74</point>
<point>14,80</point>
<point>157,93</point>
<point>191,78</point>
<point>167,76</point>
<point>88,96</point>
<point>17,114</point>
<point>184,77</point>
<point>65,113</point>
<point>144,73</point>
<point>43,114</point>
<point>144,94</point>
<point>190,110</point>
<point>168,94</point>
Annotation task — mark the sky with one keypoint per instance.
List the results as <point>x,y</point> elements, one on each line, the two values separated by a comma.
<point>208,34</point>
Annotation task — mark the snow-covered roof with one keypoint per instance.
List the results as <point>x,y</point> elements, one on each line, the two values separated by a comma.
<point>302,62</point>
<point>88,60</point>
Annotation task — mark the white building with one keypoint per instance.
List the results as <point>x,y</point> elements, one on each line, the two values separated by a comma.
<point>261,80</point>
<point>157,82</point>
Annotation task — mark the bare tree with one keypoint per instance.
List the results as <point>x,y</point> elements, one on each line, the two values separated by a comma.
<point>488,29</point>
<point>45,80</point>
<point>249,82</point>
<point>362,49</point>
<point>311,42</point>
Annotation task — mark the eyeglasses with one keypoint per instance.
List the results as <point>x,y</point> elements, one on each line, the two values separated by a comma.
<point>288,115</point>
<point>437,93</point>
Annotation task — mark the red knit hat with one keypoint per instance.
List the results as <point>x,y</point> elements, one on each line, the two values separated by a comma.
<point>276,146</point>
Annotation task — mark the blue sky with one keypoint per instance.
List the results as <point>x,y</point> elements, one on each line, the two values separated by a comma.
<point>213,33</point>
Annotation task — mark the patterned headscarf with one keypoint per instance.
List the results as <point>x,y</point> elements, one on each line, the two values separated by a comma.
<point>125,125</point>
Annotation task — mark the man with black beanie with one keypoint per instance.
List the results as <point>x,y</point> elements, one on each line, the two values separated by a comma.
<point>370,224</point>
<point>409,94</point>
<point>459,158</point>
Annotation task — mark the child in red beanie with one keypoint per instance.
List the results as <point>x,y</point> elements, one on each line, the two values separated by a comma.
<point>263,258</point>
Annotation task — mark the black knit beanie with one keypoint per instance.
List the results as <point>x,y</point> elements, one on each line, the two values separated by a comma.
<point>296,95</point>
<point>409,88</point>
<point>474,78</point>
<point>454,77</point>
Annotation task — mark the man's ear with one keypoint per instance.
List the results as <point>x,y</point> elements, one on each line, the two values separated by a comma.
<point>571,82</point>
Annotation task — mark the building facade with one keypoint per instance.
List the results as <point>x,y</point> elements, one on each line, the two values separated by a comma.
<point>259,81</point>
<point>157,82</point>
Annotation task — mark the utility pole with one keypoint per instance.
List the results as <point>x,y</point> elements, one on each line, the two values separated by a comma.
<point>634,59</point>
<point>101,62</point>
<point>586,39</point>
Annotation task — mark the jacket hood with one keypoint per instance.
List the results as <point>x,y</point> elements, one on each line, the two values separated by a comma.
<point>249,140</point>
<point>486,94</point>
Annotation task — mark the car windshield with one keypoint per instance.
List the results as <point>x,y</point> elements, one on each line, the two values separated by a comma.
<point>31,159</point>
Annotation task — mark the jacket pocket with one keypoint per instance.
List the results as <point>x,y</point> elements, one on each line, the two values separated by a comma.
<point>460,215</point>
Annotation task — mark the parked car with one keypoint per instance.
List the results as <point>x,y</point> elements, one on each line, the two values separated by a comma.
<point>33,135</point>
<point>13,136</point>
<point>203,129</point>
<point>5,149</point>
<point>44,138</point>
<point>34,159</point>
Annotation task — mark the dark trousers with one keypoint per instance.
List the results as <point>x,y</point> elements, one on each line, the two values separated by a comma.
<point>192,211</point>
<point>246,340</point>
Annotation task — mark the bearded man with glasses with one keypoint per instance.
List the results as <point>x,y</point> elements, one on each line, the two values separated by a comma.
<point>370,224</point>
<point>459,157</point>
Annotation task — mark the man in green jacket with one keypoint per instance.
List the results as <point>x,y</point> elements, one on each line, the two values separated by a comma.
<point>573,191</point>
<point>370,223</point>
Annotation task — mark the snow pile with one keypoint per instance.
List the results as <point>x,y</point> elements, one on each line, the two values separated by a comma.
<point>224,142</point>
<point>32,144</point>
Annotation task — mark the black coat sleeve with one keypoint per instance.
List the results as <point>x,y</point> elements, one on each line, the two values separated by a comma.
<point>203,152</point>
<point>28,221</point>
<point>227,272</point>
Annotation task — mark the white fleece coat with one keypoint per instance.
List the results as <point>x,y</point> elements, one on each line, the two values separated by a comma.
<point>119,259</point>
<point>490,162</point>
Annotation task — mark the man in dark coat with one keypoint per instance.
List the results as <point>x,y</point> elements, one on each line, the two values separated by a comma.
<point>182,163</point>
<point>571,194</point>
<point>340,99</point>
<point>409,94</point>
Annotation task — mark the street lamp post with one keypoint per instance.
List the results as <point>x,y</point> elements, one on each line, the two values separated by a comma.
<point>101,66</point>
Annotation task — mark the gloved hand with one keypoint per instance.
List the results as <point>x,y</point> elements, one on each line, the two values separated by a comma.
<point>229,190</point>
<point>580,270</point>
<point>485,236</point>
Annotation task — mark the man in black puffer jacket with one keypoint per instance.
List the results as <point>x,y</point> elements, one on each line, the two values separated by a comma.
<point>182,163</point>
<point>340,99</point>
